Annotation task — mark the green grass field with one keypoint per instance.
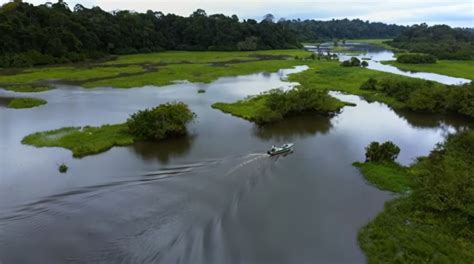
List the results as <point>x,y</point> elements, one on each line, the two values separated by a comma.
<point>158,69</point>
<point>454,68</point>
<point>68,74</point>
<point>329,75</point>
<point>377,42</point>
<point>204,73</point>
<point>246,109</point>
<point>204,56</point>
<point>82,141</point>
<point>387,176</point>
<point>25,102</point>
<point>25,88</point>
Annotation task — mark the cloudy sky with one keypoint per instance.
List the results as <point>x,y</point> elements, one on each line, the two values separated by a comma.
<point>451,12</point>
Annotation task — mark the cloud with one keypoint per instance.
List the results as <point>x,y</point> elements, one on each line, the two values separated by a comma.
<point>454,13</point>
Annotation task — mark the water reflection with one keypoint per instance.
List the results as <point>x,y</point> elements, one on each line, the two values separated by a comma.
<point>164,150</point>
<point>443,121</point>
<point>294,127</point>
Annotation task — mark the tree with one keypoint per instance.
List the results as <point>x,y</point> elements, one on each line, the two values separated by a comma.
<point>166,120</point>
<point>364,64</point>
<point>386,152</point>
<point>269,18</point>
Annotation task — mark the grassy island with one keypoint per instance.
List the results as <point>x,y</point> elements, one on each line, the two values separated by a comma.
<point>25,102</point>
<point>432,219</point>
<point>276,104</point>
<point>26,88</point>
<point>83,141</point>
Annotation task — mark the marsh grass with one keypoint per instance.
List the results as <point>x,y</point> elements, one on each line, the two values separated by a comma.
<point>454,68</point>
<point>20,103</point>
<point>274,105</point>
<point>28,88</point>
<point>82,141</point>
<point>158,69</point>
<point>388,176</point>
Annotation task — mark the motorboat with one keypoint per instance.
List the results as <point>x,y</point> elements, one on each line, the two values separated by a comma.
<point>285,148</point>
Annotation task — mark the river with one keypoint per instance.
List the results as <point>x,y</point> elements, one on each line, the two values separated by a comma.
<point>211,197</point>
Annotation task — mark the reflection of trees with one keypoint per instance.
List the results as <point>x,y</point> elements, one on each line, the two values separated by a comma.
<point>296,126</point>
<point>165,149</point>
<point>424,120</point>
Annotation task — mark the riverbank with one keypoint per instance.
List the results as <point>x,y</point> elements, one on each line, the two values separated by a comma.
<point>455,68</point>
<point>430,220</point>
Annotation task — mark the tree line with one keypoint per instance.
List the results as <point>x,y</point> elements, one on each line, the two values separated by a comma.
<point>313,30</point>
<point>440,41</point>
<point>426,96</point>
<point>55,33</point>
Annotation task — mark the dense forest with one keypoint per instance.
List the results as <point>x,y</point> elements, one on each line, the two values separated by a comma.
<point>52,33</point>
<point>312,30</point>
<point>55,33</point>
<point>441,41</point>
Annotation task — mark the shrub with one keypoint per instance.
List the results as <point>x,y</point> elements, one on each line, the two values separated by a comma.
<point>364,64</point>
<point>353,62</point>
<point>426,96</point>
<point>386,152</point>
<point>166,120</point>
<point>416,58</point>
<point>370,84</point>
<point>346,63</point>
<point>63,168</point>
<point>445,180</point>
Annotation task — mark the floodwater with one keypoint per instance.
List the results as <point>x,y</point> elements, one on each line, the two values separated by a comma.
<point>211,197</point>
<point>374,55</point>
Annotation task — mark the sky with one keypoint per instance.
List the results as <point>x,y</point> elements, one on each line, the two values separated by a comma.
<point>456,13</point>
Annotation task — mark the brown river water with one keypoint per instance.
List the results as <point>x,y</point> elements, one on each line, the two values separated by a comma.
<point>211,197</point>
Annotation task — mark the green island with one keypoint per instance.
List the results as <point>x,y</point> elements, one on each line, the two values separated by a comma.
<point>431,219</point>
<point>276,104</point>
<point>83,141</point>
<point>25,102</point>
<point>455,68</point>
<point>26,88</point>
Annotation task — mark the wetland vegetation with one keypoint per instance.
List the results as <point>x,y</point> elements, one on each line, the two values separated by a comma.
<point>25,102</point>
<point>431,220</point>
<point>158,123</point>
<point>455,68</point>
<point>276,104</point>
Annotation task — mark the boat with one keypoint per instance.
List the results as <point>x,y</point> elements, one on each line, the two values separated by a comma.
<point>285,148</point>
